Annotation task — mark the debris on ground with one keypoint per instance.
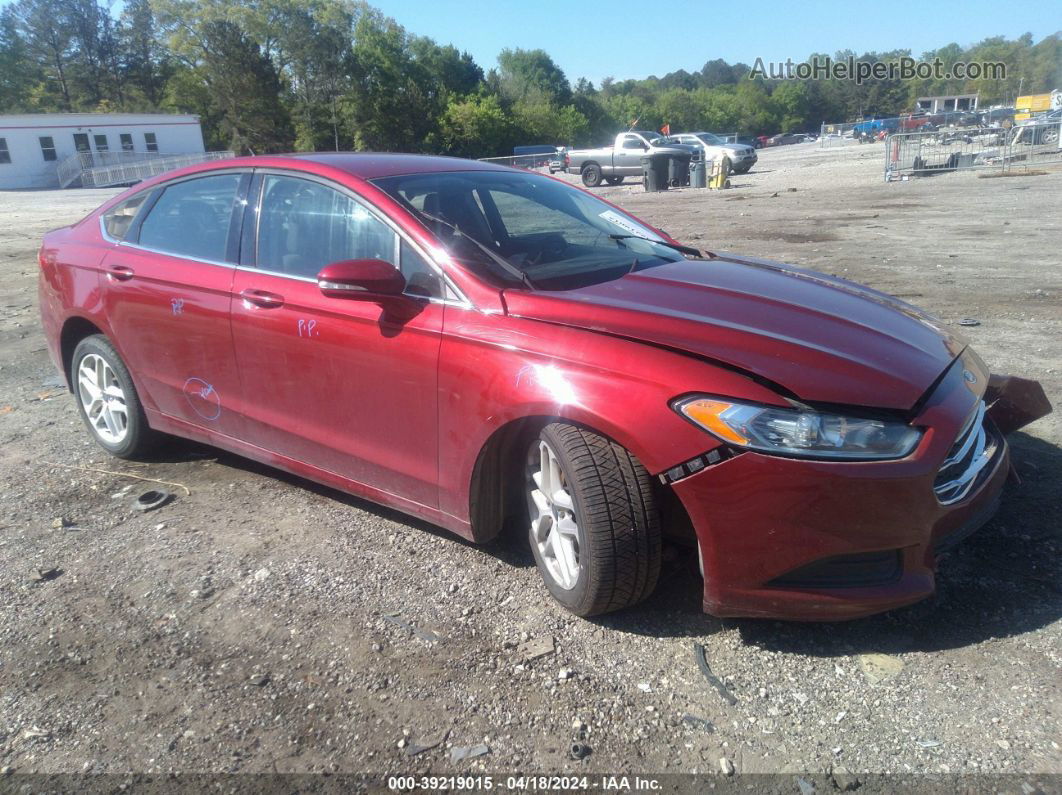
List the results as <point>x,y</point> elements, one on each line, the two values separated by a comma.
<point>579,750</point>
<point>702,661</point>
<point>698,723</point>
<point>535,648</point>
<point>726,766</point>
<point>412,748</point>
<point>44,574</point>
<point>150,500</point>
<point>969,321</point>
<point>424,634</point>
<point>843,779</point>
<point>878,668</point>
<point>458,753</point>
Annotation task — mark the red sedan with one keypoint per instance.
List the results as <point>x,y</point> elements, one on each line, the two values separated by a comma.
<point>486,347</point>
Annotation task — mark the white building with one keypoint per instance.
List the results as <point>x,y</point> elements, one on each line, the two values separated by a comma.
<point>33,145</point>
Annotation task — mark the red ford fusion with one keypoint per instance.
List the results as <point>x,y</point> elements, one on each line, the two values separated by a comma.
<point>484,347</point>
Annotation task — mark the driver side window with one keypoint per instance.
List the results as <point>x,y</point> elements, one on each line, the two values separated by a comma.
<point>304,225</point>
<point>633,142</point>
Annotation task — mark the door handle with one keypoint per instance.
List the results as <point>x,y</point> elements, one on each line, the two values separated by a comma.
<point>262,298</point>
<point>120,273</point>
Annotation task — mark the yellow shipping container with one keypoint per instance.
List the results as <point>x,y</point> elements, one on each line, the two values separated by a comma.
<point>1025,107</point>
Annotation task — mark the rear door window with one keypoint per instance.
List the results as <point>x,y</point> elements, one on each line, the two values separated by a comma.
<point>192,218</point>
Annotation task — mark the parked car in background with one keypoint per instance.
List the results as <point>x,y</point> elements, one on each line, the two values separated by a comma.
<point>742,157</point>
<point>559,161</point>
<point>535,156</point>
<point>485,347</point>
<point>1040,129</point>
<point>750,140</point>
<point>911,122</point>
<point>869,129</point>
<point>612,164</point>
<point>783,139</point>
<point>1001,115</point>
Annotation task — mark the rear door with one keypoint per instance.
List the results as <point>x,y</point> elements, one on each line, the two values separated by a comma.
<point>336,383</point>
<point>167,290</point>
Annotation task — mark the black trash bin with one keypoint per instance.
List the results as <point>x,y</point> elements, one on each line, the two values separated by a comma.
<point>678,170</point>
<point>655,172</point>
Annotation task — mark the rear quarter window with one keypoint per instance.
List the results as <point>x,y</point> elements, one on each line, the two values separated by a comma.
<point>118,219</point>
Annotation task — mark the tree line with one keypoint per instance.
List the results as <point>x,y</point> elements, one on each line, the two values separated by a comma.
<point>303,75</point>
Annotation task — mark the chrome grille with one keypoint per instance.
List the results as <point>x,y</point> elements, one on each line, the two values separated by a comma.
<point>972,452</point>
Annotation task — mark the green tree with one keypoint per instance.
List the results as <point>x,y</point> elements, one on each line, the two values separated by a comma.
<point>391,105</point>
<point>244,91</point>
<point>523,74</point>
<point>476,127</point>
<point>18,73</point>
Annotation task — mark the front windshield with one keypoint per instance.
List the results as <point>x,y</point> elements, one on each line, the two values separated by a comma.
<point>712,140</point>
<point>557,236</point>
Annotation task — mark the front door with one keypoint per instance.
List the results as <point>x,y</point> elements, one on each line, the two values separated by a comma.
<point>336,383</point>
<point>167,290</point>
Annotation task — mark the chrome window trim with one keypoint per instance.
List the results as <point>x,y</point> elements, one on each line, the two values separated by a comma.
<point>461,301</point>
<point>148,249</point>
<point>164,186</point>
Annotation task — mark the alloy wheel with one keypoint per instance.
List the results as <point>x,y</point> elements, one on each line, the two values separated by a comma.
<point>102,398</point>
<point>554,525</point>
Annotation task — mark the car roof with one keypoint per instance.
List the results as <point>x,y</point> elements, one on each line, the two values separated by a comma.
<point>371,165</point>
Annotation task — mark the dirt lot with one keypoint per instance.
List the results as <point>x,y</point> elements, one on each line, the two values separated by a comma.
<point>262,623</point>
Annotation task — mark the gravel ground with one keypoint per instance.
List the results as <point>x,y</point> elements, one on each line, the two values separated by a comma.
<point>262,623</point>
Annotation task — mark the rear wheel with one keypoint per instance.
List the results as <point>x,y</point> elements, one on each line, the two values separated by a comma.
<point>108,401</point>
<point>614,180</point>
<point>594,525</point>
<point>591,175</point>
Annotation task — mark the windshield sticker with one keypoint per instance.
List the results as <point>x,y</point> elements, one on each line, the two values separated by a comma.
<point>618,220</point>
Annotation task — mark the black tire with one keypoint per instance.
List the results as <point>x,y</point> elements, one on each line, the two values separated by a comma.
<point>591,175</point>
<point>614,180</point>
<point>139,438</point>
<point>619,533</point>
<point>741,170</point>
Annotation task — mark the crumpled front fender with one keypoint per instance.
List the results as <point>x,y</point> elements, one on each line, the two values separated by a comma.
<point>1014,402</point>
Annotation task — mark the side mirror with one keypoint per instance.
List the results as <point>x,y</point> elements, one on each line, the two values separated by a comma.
<point>361,280</point>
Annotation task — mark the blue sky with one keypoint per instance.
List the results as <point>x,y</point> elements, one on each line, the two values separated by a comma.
<point>625,38</point>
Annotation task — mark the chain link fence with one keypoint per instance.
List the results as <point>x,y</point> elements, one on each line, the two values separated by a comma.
<point>926,153</point>
<point>540,162</point>
<point>843,134</point>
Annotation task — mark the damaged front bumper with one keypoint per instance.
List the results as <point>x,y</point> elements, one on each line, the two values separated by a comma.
<point>821,540</point>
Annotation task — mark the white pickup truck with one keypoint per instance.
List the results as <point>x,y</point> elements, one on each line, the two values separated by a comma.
<point>624,159</point>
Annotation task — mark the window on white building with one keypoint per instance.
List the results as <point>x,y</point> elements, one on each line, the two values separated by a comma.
<point>5,156</point>
<point>48,148</point>
<point>127,141</point>
<point>150,142</point>
<point>101,142</point>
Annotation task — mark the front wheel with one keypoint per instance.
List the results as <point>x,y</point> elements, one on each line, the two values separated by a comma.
<point>594,525</point>
<point>592,175</point>
<point>108,401</point>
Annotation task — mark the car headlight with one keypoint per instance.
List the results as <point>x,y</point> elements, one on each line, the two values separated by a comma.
<point>802,434</point>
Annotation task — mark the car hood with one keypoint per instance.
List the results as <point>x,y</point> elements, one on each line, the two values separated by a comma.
<point>820,338</point>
